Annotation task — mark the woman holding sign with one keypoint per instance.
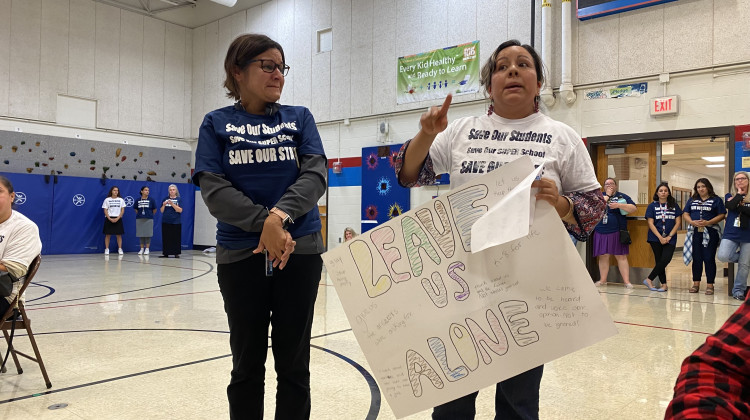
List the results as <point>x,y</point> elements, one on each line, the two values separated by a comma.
<point>512,77</point>
<point>254,156</point>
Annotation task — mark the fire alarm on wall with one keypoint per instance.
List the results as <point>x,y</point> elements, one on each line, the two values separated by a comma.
<point>337,167</point>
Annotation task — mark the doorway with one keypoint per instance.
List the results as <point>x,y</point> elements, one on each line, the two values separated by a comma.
<point>639,165</point>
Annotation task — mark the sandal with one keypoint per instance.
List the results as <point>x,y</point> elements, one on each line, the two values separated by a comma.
<point>710,289</point>
<point>695,289</point>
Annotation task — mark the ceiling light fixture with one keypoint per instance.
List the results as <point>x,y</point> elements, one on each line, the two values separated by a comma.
<point>720,165</point>
<point>713,158</point>
<point>228,3</point>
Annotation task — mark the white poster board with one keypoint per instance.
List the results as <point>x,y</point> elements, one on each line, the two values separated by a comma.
<point>437,322</point>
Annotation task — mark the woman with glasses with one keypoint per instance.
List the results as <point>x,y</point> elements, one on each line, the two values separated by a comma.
<point>664,218</point>
<point>703,211</point>
<point>735,245</point>
<point>607,233</point>
<point>261,169</point>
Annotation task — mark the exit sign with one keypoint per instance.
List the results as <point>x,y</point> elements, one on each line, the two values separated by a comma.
<point>666,105</point>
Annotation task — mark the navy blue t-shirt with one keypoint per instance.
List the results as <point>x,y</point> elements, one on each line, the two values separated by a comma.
<point>664,220</point>
<point>170,216</point>
<point>732,232</point>
<point>258,155</point>
<point>145,208</point>
<point>614,218</point>
<point>704,210</point>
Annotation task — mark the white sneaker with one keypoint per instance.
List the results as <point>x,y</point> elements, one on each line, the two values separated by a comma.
<point>140,252</point>
<point>628,285</point>
<point>145,252</point>
<point>106,251</point>
<point>119,251</point>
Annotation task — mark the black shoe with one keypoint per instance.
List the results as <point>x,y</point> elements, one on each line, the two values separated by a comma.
<point>163,256</point>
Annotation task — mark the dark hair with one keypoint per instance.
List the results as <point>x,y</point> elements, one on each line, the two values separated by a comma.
<point>671,202</point>
<point>143,188</point>
<point>708,185</point>
<point>243,49</point>
<point>6,183</point>
<point>8,186</point>
<point>112,189</point>
<point>485,77</point>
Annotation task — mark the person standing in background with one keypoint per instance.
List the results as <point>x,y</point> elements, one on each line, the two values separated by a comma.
<point>735,245</point>
<point>114,209</point>
<point>664,218</point>
<point>607,233</point>
<point>145,208</point>
<point>171,224</point>
<point>349,234</point>
<point>703,211</point>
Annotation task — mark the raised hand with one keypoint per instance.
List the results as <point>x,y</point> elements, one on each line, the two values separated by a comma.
<point>435,119</point>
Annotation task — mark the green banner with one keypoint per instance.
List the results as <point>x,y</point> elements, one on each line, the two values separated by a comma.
<point>434,74</point>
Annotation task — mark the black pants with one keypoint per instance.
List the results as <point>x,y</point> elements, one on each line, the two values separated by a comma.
<point>285,300</point>
<point>516,398</point>
<point>705,255</point>
<point>663,256</point>
<point>171,239</point>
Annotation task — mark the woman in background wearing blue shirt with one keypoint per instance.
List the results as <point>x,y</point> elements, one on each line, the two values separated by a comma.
<point>145,208</point>
<point>737,233</point>
<point>171,224</point>
<point>703,211</point>
<point>663,216</point>
<point>607,233</point>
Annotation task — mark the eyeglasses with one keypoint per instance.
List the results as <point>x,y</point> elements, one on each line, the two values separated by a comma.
<point>741,178</point>
<point>269,66</point>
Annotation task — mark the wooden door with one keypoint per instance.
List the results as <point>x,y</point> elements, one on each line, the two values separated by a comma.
<point>637,165</point>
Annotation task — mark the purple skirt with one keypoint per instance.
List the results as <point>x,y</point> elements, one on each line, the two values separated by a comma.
<point>609,243</point>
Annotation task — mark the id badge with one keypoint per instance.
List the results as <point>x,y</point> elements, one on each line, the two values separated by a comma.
<point>269,265</point>
<point>737,221</point>
<point>604,220</point>
<point>701,229</point>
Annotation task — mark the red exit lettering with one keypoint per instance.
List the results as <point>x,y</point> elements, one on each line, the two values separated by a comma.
<point>663,106</point>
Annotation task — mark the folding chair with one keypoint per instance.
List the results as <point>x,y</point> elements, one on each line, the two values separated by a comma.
<point>25,323</point>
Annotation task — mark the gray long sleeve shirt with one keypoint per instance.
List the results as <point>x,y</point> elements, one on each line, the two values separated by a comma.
<point>230,205</point>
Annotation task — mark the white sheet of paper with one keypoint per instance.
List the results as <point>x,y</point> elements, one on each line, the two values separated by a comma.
<point>436,322</point>
<point>511,217</point>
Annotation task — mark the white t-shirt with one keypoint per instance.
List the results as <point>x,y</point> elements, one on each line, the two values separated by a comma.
<point>19,243</point>
<point>113,206</point>
<point>472,146</point>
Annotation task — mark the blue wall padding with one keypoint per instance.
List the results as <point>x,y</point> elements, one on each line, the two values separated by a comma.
<point>67,228</point>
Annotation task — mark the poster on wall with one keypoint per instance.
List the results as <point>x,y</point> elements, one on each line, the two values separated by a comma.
<point>444,301</point>
<point>435,74</point>
<point>619,91</point>
<point>382,197</point>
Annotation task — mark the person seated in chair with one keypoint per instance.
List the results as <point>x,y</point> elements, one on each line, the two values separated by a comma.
<point>19,241</point>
